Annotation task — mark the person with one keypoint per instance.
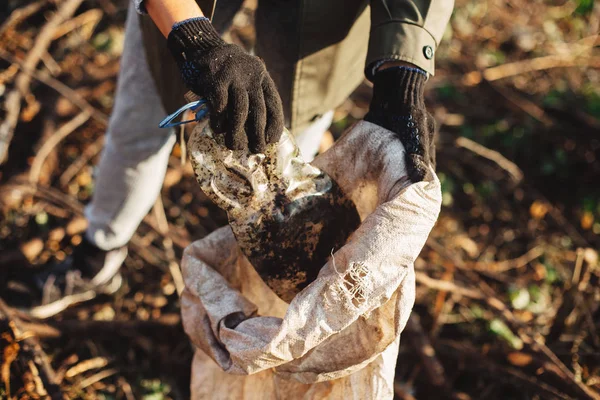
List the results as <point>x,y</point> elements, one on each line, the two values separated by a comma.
<point>310,57</point>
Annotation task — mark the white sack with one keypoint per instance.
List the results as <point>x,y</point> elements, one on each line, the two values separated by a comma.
<point>339,337</point>
<point>285,214</point>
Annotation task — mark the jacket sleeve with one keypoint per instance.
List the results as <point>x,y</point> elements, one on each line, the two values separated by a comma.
<point>207,7</point>
<point>407,30</point>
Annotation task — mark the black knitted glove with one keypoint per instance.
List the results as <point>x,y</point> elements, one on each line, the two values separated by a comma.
<point>398,105</point>
<point>244,102</point>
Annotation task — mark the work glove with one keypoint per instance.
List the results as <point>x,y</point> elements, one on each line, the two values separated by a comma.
<point>398,105</point>
<point>244,103</point>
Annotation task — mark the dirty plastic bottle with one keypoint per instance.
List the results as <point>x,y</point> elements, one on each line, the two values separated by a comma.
<point>287,215</point>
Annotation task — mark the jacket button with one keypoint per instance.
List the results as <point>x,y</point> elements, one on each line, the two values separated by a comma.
<point>428,52</point>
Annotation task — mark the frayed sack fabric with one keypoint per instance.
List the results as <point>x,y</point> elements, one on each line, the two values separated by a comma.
<point>339,337</point>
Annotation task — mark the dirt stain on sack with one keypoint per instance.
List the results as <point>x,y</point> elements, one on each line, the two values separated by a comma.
<point>287,215</point>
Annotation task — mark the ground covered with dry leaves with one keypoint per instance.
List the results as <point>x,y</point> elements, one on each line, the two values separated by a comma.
<point>508,301</point>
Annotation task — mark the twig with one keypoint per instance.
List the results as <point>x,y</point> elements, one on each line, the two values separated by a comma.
<point>49,194</point>
<point>13,99</point>
<point>522,103</point>
<point>12,104</point>
<point>492,300</point>
<point>577,270</point>
<point>86,365</point>
<point>46,373</point>
<point>441,299</point>
<point>492,155</point>
<point>149,254</point>
<point>163,226</point>
<point>486,293</point>
<point>448,286</point>
<point>589,318</point>
<point>59,87</point>
<point>90,152</point>
<point>72,96</point>
<point>96,378</point>
<point>20,14</point>
<point>8,73</point>
<point>39,384</point>
<point>51,64</point>
<point>476,360</point>
<point>515,263</point>
<point>56,307</point>
<point>90,17</point>
<point>525,66</point>
<point>517,175</point>
<point>55,139</point>
<point>178,240</point>
<point>108,7</point>
<point>584,390</point>
<point>126,387</point>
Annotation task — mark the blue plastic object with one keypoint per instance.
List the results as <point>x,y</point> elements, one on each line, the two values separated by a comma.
<point>199,107</point>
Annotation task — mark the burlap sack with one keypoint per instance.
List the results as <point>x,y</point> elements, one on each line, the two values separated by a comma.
<point>339,337</point>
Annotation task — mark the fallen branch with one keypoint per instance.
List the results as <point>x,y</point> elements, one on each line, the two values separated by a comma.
<point>492,155</point>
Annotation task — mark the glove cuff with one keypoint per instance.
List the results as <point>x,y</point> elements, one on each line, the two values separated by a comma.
<point>401,86</point>
<point>194,34</point>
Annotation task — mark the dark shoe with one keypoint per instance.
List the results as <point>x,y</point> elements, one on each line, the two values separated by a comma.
<point>86,273</point>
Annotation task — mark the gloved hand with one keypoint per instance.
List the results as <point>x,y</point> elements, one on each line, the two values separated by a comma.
<point>244,102</point>
<point>398,105</point>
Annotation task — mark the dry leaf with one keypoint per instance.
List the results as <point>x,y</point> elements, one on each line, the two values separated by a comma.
<point>326,142</point>
<point>172,177</point>
<point>468,245</point>
<point>538,210</point>
<point>519,359</point>
<point>587,220</point>
<point>32,248</point>
<point>86,365</point>
<point>77,225</point>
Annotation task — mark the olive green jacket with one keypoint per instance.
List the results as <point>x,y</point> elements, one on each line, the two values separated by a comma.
<point>317,50</point>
